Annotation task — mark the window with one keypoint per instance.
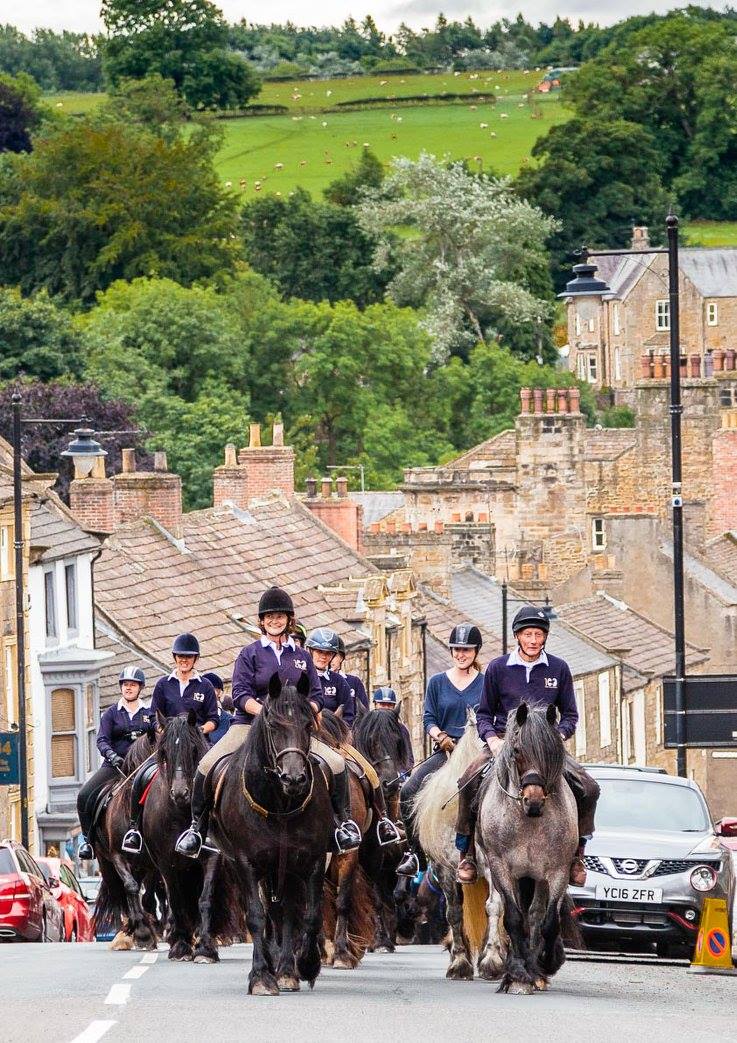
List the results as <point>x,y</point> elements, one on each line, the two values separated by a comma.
<point>617,364</point>
<point>581,367</point>
<point>659,724</point>
<point>50,595</point>
<point>605,712</point>
<point>638,747</point>
<point>11,690</point>
<point>662,316</point>
<point>592,325</point>
<point>70,583</point>
<point>712,314</point>
<point>615,320</point>
<point>577,324</point>
<point>90,716</point>
<point>63,734</point>
<point>580,733</point>
<point>7,552</point>
<point>598,536</point>
<point>592,369</point>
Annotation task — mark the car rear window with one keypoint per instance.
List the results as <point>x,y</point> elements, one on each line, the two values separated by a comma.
<point>647,805</point>
<point>7,865</point>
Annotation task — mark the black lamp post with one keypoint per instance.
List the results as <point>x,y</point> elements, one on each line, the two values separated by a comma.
<point>84,450</point>
<point>506,601</point>
<point>583,284</point>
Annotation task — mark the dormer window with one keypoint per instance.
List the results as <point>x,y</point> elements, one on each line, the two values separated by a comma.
<point>712,314</point>
<point>662,316</point>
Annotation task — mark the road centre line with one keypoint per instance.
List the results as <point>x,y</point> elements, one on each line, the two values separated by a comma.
<point>135,972</point>
<point>94,1031</point>
<point>118,994</point>
<point>150,957</point>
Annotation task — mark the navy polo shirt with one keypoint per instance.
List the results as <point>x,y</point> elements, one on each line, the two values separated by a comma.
<point>337,692</point>
<point>199,695</point>
<point>359,691</point>
<point>119,730</point>
<point>225,720</point>
<point>446,707</point>
<point>255,666</point>
<point>507,684</point>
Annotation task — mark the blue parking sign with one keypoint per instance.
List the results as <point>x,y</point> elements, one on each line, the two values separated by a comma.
<point>9,771</point>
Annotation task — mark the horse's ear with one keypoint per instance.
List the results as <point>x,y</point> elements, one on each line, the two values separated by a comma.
<point>274,685</point>
<point>397,709</point>
<point>192,719</point>
<point>160,720</point>
<point>552,714</point>
<point>338,712</point>
<point>303,685</point>
<point>521,715</point>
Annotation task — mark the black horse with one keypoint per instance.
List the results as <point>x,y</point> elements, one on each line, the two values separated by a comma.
<point>272,815</point>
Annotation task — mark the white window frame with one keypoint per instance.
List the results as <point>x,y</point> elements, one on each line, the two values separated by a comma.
<point>617,364</point>
<point>71,596</point>
<point>592,368</point>
<point>712,314</point>
<point>616,328</point>
<point>605,711</point>
<point>579,736</point>
<point>7,553</point>
<point>598,534</point>
<point>662,315</point>
<point>592,324</point>
<point>51,614</point>
<point>11,679</point>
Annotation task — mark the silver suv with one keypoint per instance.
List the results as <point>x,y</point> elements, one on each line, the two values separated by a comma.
<point>654,857</point>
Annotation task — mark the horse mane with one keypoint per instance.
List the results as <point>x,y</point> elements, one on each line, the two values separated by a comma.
<point>181,741</point>
<point>542,745</point>
<point>382,730</point>
<point>138,752</point>
<point>435,825</point>
<point>333,730</point>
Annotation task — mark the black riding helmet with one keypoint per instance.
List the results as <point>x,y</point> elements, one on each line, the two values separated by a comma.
<point>185,644</point>
<point>341,646</point>
<point>529,616</point>
<point>275,600</point>
<point>465,635</point>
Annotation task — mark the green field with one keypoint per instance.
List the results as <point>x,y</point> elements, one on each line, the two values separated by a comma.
<point>73,103</point>
<point>711,233</point>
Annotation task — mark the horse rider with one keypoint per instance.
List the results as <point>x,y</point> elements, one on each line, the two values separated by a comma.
<point>225,718</point>
<point>322,644</point>
<point>275,651</point>
<point>120,726</point>
<point>385,698</point>
<point>355,683</point>
<point>299,634</point>
<point>532,675</point>
<point>448,698</point>
<point>184,689</point>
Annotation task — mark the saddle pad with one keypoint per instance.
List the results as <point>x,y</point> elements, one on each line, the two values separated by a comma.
<point>352,754</point>
<point>154,773</point>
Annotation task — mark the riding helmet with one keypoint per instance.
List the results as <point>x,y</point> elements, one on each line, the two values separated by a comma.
<point>323,639</point>
<point>185,644</point>
<point>529,616</point>
<point>341,646</point>
<point>215,680</point>
<point>299,633</point>
<point>385,694</point>
<point>465,635</point>
<point>275,600</point>
<point>133,673</point>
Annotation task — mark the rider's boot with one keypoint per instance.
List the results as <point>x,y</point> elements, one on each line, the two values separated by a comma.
<point>386,830</point>
<point>347,833</point>
<point>414,859</point>
<point>467,872</point>
<point>466,826</point>
<point>133,841</point>
<point>190,842</point>
<point>577,875</point>
<point>84,851</point>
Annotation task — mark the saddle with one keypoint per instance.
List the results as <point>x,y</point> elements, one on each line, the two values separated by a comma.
<point>97,804</point>
<point>142,782</point>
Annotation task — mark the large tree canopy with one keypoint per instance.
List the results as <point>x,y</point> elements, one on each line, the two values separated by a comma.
<point>37,339</point>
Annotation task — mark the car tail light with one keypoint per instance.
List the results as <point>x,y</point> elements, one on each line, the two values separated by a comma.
<point>703,878</point>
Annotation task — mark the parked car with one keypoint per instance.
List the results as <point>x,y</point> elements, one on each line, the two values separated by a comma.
<point>68,893</point>
<point>727,829</point>
<point>654,858</point>
<point>90,887</point>
<point>28,910</point>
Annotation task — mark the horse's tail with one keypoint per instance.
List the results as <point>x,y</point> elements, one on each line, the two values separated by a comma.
<point>569,926</point>
<point>474,914</point>
<point>109,906</point>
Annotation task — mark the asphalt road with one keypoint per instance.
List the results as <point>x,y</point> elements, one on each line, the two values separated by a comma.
<point>84,993</point>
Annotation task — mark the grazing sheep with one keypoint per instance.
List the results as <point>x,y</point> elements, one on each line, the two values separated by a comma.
<point>278,166</point>
<point>228,184</point>
<point>493,134</point>
<point>324,123</point>
<point>484,126</point>
<point>303,162</point>
<point>503,115</point>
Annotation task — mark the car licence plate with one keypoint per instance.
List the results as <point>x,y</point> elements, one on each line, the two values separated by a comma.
<point>628,893</point>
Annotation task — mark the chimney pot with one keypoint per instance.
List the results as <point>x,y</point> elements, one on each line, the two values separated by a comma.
<point>640,237</point>
<point>341,484</point>
<point>537,396</point>
<point>525,394</point>
<point>160,461</point>
<point>326,487</point>
<point>277,436</point>
<point>562,400</point>
<point>439,527</point>
<point>311,487</point>
<point>550,400</point>
<point>230,457</point>
<point>575,399</point>
<point>254,436</point>
<point>128,461</point>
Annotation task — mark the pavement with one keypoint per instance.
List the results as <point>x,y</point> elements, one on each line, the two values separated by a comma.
<point>85,993</point>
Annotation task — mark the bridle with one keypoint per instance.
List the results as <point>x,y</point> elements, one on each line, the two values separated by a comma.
<point>272,768</point>
<point>530,778</point>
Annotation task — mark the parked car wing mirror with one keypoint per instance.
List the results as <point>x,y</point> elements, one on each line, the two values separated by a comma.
<point>727,827</point>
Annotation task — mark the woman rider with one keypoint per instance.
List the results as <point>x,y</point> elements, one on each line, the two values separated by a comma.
<point>120,726</point>
<point>322,644</point>
<point>275,651</point>
<point>448,699</point>
<point>354,681</point>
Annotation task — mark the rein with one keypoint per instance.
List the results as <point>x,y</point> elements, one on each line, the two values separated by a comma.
<point>530,778</point>
<point>273,769</point>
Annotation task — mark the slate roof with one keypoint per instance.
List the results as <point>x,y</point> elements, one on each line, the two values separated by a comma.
<point>712,271</point>
<point>109,639</point>
<point>441,615</point>
<point>715,582</point>
<point>377,505</point>
<point>53,528</point>
<point>480,597</point>
<point>721,554</point>
<point>645,647</point>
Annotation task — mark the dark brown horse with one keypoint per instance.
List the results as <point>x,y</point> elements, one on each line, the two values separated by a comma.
<point>272,815</point>
<point>200,892</point>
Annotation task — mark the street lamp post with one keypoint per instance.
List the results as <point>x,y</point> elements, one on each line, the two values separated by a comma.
<point>84,450</point>
<point>584,283</point>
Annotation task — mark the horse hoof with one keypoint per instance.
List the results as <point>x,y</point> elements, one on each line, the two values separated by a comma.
<point>521,988</point>
<point>384,948</point>
<point>342,963</point>
<point>202,958</point>
<point>261,988</point>
<point>541,985</point>
<point>461,970</point>
<point>488,972</point>
<point>287,984</point>
<point>122,942</point>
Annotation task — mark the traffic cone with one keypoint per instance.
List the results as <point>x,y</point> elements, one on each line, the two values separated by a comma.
<point>713,953</point>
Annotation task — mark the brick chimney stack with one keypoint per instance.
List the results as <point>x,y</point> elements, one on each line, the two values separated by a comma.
<point>157,493</point>
<point>338,511</point>
<point>640,238</point>
<point>91,499</point>
<point>255,470</point>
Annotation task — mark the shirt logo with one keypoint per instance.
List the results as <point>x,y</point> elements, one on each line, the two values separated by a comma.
<point>551,682</point>
<point>300,664</point>
<point>199,697</point>
<point>329,690</point>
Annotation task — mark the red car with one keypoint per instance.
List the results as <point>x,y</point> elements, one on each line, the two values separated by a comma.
<point>65,888</point>
<point>727,830</point>
<point>28,910</point>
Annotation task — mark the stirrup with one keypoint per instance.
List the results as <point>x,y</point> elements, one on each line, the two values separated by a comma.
<point>390,828</point>
<point>189,850</point>
<point>85,852</point>
<point>412,867</point>
<point>351,836</point>
<point>132,842</point>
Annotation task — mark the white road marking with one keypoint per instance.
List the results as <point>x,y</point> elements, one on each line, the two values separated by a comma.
<point>118,994</point>
<point>135,972</point>
<point>150,957</point>
<point>94,1031</point>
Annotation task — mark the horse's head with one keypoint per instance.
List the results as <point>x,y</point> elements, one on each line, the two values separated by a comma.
<point>536,748</point>
<point>180,749</point>
<point>285,726</point>
<point>381,738</point>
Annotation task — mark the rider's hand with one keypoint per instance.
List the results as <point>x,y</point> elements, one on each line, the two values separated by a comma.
<point>115,759</point>
<point>495,743</point>
<point>444,742</point>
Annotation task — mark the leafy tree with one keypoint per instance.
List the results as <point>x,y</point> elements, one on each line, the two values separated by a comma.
<point>103,200</point>
<point>37,339</point>
<point>598,178</point>
<point>152,103</point>
<point>315,251</point>
<point>469,244</point>
<point>20,113</point>
<point>182,40</point>
<point>347,190</point>
<point>56,61</point>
